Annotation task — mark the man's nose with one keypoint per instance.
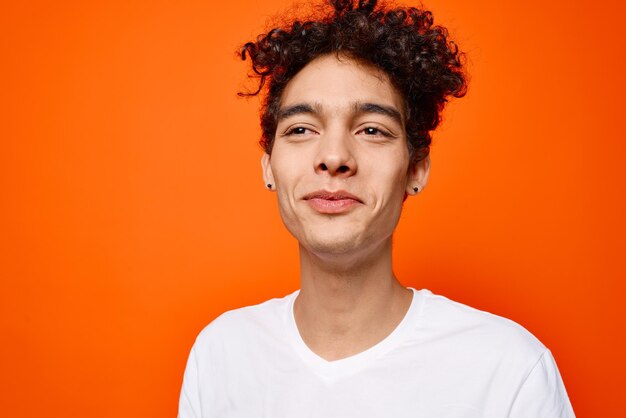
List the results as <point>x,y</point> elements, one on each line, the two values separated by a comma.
<point>336,155</point>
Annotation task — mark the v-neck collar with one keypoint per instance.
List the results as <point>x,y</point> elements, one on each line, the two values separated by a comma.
<point>337,368</point>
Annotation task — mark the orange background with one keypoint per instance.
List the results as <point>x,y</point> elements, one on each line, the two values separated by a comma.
<point>133,211</point>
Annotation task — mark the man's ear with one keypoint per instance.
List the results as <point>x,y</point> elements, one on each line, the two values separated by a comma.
<point>418,176</point>
<point>268,175</point>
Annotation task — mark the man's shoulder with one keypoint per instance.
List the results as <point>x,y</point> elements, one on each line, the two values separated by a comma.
<point>455,321</point>
<point>243,322</point>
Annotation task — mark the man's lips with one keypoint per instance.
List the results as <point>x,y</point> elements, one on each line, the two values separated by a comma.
<point>327,202</point>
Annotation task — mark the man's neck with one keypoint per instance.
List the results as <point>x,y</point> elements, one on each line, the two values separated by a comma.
<point>348,304</point>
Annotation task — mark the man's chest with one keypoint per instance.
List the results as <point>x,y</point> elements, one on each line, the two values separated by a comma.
<point>292,389</point>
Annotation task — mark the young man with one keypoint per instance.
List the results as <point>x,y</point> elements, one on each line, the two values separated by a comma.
<point>351,100</point>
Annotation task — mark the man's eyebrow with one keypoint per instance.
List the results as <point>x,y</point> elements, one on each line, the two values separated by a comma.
<point>380,109</point>
<point>296,109</point>
<point>305,108</point>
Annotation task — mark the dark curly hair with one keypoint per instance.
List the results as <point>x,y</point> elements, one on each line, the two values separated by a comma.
<point>421,61</point>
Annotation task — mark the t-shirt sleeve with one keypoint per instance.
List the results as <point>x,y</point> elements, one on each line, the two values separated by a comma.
<point>189,403</point>
<point>542,395</point>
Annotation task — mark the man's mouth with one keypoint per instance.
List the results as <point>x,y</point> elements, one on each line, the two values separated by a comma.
<point>327,202</point>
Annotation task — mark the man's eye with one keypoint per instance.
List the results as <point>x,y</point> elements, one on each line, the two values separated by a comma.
<point>373,131</point>
<point>298,130</point>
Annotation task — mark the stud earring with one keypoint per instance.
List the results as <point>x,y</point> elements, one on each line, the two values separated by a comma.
<point>416,189</point>
<point>269,186</point>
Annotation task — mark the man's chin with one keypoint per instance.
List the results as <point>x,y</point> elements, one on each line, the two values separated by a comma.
<point>333,245</point>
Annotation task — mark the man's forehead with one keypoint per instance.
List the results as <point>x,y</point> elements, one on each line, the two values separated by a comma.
<point>340,82</point>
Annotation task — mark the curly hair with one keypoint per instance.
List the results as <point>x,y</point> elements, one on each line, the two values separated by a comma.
<point>424,65</point>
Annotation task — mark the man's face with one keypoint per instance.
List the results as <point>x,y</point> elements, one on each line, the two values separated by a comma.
<point>340,162</point>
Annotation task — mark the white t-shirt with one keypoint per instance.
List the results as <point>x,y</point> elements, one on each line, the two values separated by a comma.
<point>444,359</point>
